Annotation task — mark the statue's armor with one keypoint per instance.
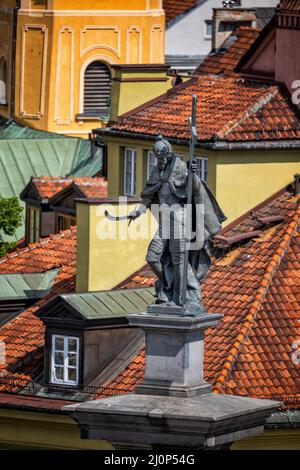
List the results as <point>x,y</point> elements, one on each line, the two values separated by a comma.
<point>166,189</point>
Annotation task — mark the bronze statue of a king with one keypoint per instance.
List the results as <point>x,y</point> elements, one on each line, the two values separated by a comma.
<point>179,252</point>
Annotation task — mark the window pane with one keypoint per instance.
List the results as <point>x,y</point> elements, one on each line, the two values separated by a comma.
<point>208,28</point>
<point>59,373</point>
<point>72,360</point>
<point>129,172</point>
<point>72,375</point>
<point>59,344</point>
<point>72,345</point>
<point>151,163</point>
<point>59,358</point>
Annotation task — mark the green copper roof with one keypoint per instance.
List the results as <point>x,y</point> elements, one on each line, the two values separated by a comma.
<point>26,286</point>
<point>108,304</point>
<point>28,152</point>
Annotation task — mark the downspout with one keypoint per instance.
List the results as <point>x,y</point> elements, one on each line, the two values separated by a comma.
<point>13,61</point>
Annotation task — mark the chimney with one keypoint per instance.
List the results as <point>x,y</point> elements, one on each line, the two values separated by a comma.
<point>108,252</point>
<point>297,184</point>
<point>225,20</point>
<point>134,85</point>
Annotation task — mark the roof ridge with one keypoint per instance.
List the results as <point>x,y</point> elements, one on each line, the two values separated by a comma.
<point>265,99</point>
<point>257,301</point>
<point>41,242</point>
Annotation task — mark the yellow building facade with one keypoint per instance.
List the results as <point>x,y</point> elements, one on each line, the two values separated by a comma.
<point>64,56</point>
<point>239,179</point>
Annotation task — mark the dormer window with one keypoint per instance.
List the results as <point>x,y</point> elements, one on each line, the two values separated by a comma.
<point>65,360</point>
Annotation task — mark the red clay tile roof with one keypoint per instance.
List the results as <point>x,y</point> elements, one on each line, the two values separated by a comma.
<point>289,5</point>
<point>253,351</point>
<point>174,8</point>
<point>227,109</point>
<point>24,336</point>
<point>49,253</point>
<point>31,403</point>
<point>48,186</point>
<point>256,286</point>
<point>224,61</point>
<point>91,187</point>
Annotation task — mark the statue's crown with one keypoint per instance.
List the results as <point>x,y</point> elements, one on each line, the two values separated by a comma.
<point>163,146</point>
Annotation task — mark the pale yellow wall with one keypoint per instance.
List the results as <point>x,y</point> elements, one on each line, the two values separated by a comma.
<point>116,155</point>
<point>26,429</point>
<point>107,251</point>
<point>55,46</point>
<point>239,180</point>
<point>271,439</point>
<point>127,95</point>
<point>245,179</point>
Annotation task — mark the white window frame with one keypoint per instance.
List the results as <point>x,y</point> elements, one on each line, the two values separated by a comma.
<point>150,165</point>
<point>206,22</point>
<point>66,367</point>
<point>202,168</point>
<point>130,152</point>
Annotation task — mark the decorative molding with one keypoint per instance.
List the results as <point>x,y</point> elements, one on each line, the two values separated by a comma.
<point>135,29</point>
<point>114,29</point>
<point>63,30</point>
<point>44,30</point>
<point>99,57</point>
<point>156,27</point>
<point>94,13</point>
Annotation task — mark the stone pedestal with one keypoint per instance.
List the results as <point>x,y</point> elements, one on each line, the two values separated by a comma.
<point>173,407</point>
<point>174,351</point>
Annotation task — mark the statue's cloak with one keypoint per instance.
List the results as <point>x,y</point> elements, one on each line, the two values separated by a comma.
<point>176,174</point>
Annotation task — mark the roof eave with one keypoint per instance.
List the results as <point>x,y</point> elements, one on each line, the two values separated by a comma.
<point>292,144</point>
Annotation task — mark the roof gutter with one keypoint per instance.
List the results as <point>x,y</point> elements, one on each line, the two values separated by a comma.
<point>208,145</point>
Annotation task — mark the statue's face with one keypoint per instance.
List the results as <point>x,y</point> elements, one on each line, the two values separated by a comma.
<point>161,159</point>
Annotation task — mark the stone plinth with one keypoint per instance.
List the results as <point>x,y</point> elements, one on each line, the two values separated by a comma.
<point>172,407</point>
<point>149,422</point>
<point>174,351</point>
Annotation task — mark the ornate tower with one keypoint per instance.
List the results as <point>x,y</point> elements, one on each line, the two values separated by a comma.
<point>64,57</point>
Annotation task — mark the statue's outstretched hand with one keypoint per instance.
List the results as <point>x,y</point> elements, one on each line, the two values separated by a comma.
<point>134,214</point>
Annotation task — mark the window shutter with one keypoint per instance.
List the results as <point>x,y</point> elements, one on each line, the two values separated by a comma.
<point>97,88</point>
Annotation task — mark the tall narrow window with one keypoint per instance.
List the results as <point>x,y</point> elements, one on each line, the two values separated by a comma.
<point>151,162</point>
<point>208,29</point>
<point>33,224</point>
<point>202,168</point>
<point>65,360</point>
<point>97,89</point>
<point>3,81</point>
<point>129,172</point>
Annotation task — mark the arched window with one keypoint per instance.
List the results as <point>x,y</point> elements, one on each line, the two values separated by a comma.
<point>97,89</point>
<point>3,81</point>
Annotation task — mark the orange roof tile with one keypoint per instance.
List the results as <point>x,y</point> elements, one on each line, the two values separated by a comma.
<point>174,8</point>
<point>227,109</point>
<point>49,253</point>
<point>49,186</point>
<point>224,61</point>
<point>91,187</point>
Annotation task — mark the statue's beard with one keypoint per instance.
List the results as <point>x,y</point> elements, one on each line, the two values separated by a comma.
<point>161,163</point>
